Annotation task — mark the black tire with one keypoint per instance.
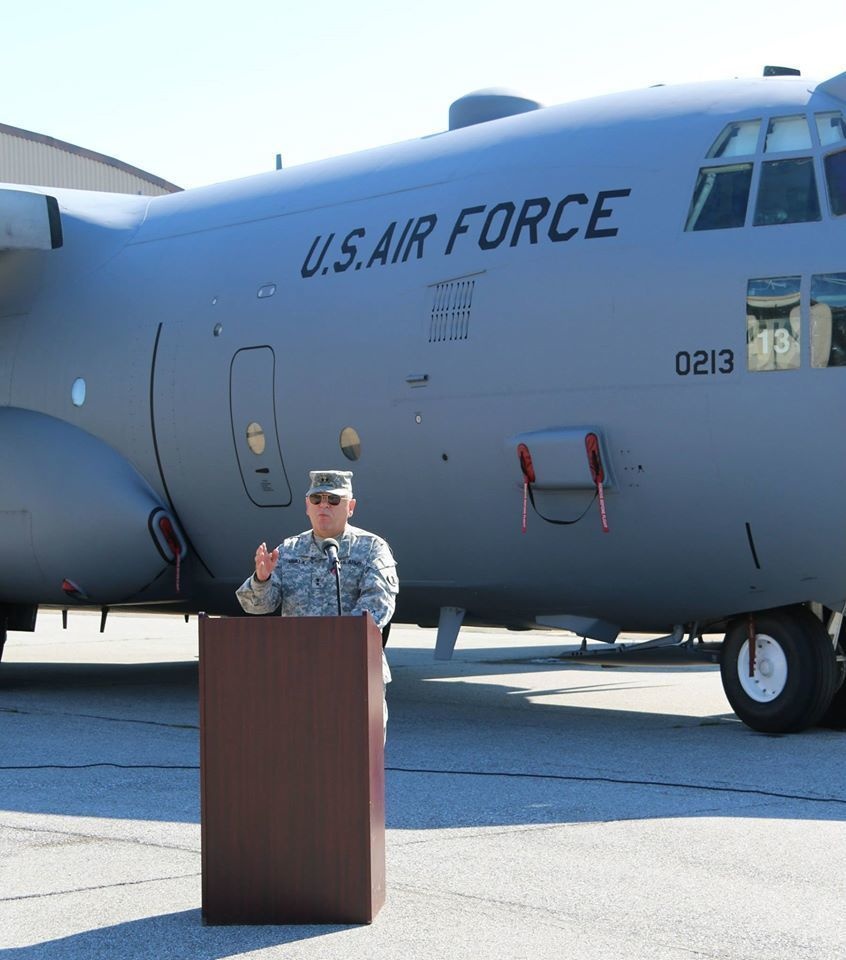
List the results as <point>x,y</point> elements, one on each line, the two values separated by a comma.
<point>796,671</point>
<point>835,716</point>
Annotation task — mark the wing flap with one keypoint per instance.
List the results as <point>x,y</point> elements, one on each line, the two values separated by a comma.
<point>29,221</point>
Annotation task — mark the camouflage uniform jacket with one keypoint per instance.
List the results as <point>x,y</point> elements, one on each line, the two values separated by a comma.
<point>303,584</point>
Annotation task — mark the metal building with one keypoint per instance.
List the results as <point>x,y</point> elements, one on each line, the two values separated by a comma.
<point>32,158</point>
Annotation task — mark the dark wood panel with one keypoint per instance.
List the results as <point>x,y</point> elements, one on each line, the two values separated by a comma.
<point>292,770</point>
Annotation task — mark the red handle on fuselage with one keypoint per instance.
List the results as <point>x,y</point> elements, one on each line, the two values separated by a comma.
<point>598,474</point>
<point>528,477</point>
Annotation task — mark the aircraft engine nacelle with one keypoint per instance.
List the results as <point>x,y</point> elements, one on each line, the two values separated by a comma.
<point>77,516</point>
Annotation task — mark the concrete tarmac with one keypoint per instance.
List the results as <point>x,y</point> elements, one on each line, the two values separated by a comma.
<point>533,809</point>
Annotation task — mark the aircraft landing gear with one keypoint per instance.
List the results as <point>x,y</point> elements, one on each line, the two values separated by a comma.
<point>835,715</point>
<point>793,675</point>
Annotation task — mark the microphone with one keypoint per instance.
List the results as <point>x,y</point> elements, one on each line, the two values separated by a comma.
<point>330,548</point>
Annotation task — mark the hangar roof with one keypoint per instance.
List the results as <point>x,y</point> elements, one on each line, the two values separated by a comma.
<point>38,160</point>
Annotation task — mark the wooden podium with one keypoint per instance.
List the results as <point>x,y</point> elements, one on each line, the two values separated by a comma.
<point>291,769</point>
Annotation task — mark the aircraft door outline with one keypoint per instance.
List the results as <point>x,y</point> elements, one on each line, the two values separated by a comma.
<point>252,379</point>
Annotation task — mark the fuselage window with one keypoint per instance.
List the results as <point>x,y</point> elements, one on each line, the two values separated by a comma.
<point>831,128</point>
<point>835,176</point>
<point>78,392</point>
<point>256,439</point>
<point>773,325</point>
<point>787,192</point>
<point>350,443</point>
<point>787,133</point>
<point>828,320</point>
<point>720,197</point>
<point>736,140</point>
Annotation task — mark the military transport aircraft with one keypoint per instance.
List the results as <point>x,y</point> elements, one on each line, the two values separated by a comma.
<point>588,363</point>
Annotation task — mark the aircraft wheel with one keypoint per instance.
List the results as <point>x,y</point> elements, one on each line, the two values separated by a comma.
<point>795,672</point>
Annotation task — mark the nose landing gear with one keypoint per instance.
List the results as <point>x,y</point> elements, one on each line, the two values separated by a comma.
<point>779,671</point>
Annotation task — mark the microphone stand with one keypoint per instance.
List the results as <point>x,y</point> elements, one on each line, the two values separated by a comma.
<point>336,569</point>
<point>330,549</point>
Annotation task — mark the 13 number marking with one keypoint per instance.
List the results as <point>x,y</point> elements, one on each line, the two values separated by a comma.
<point>781,340</point>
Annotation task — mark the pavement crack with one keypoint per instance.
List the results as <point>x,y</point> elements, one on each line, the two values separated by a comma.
<point>622,781</point>
<point>556,917</point>
<point>102,763</point>
<point>82,835</point>
<point>97,716</point>
<point>103,886</point>
<point>486,832</point>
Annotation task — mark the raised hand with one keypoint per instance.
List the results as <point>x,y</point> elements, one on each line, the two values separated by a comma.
<point>265,562</point>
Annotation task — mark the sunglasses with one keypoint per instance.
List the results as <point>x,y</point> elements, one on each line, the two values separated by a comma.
<point>331,498</point>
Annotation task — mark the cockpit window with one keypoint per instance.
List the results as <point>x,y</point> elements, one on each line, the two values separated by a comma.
<point>773,323</point>
<point>831,128</point>
<point>787,192</point>
<point>788,152</point>
<point>736,140</point>
<point>835,175</point>
<point>720,197</point>
<point>787,133</point>
<point>828,320</point>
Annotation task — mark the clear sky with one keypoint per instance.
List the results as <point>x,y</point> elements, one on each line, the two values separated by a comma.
<point>198,91</point>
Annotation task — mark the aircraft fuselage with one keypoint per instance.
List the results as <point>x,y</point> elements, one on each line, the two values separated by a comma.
<point>528,280</point>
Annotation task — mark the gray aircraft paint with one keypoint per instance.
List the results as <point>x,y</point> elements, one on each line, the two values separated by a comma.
<point>575,323</point>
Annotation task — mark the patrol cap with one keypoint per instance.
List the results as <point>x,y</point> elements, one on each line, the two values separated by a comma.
<point>330,481</point>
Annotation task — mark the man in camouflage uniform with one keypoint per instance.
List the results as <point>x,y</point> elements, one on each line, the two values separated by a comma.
<point>297,575</point>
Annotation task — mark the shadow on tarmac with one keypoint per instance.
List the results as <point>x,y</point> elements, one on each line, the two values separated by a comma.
<point>460,755</point>
<point>121,741</point>
<point>168,935</point>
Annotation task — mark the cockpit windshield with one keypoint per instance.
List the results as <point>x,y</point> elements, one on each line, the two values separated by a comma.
<point>784,160</point>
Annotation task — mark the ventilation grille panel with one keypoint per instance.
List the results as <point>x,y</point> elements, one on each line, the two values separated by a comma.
<point>451,305</point>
